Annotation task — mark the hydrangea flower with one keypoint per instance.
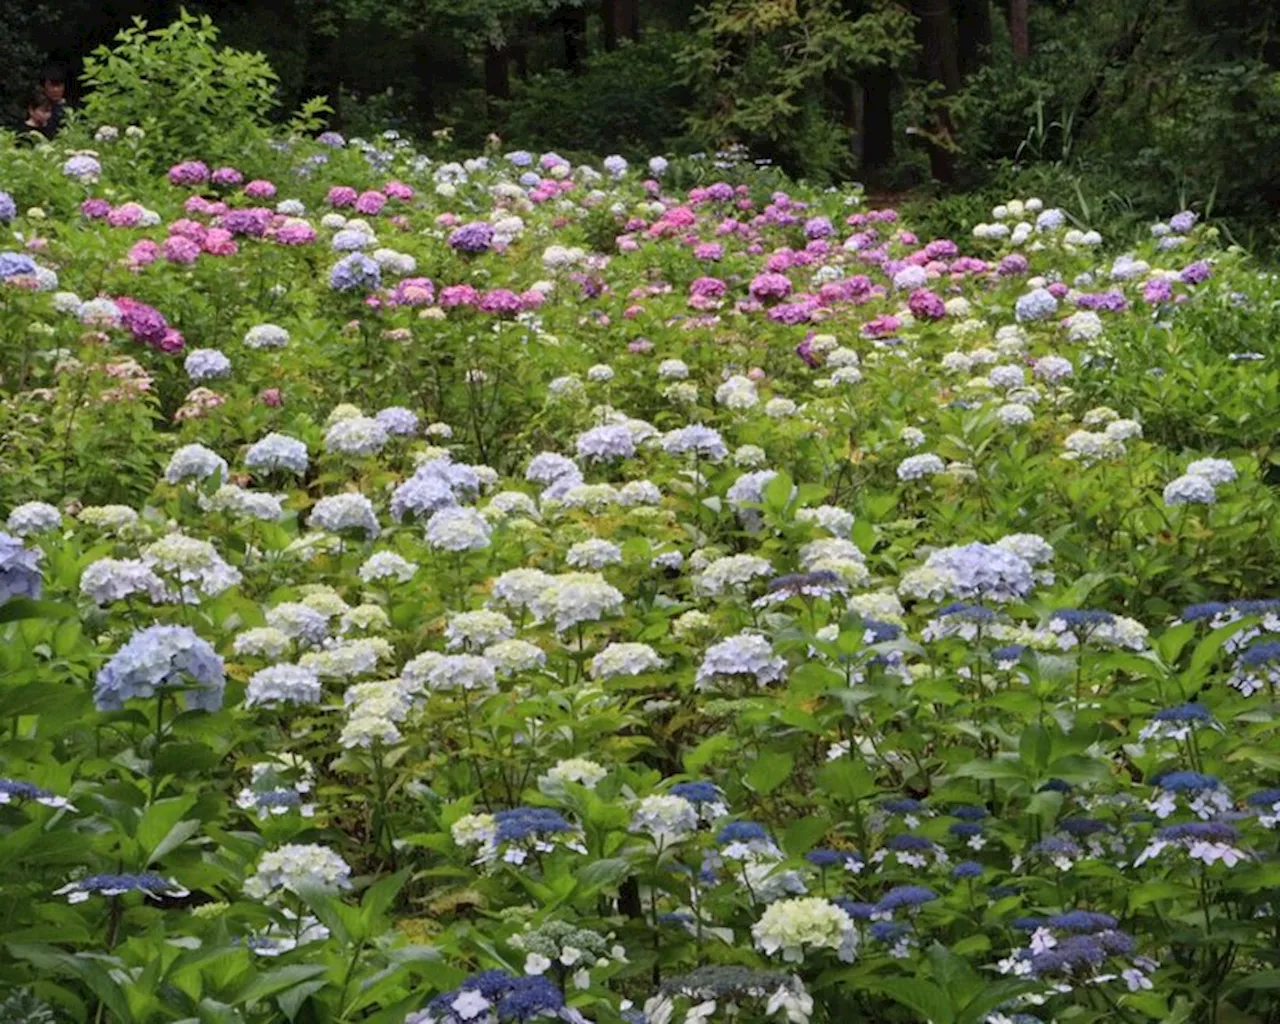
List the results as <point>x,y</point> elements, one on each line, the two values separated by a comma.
<point>162,658</point>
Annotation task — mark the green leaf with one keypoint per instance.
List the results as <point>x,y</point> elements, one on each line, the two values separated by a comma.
<point>25,608</point>
<point>379,897</point>
<point>802,836</point>
<point>93,975</point>
<point>847,780</point>
<point>706,752</point>
<point>922,996</point>
<point>159,819</point>
<point>768,771</point>
<point>270,982</point>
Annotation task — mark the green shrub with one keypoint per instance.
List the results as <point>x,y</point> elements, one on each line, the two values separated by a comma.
<point>190,95</point>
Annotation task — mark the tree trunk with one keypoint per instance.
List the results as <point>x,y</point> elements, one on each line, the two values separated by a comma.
<point>609,24</point>
<point>629,19</point>
<point>1019,30</point>
<point>573,25</point>
<point>497,79</point>
<point>424,90</point>
<point>974,34</point>
<point>877,118</point>
<point>935,32</point>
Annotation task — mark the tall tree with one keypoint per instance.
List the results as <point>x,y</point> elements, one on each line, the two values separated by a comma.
<point>877,117</point>
<point>936,36</point>
<point>973,33</point>
<point>1020,29</point>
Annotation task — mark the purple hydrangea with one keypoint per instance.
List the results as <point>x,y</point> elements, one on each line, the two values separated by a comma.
<point>473,238</point>
<point>19,569</point>
<point>355,271</point>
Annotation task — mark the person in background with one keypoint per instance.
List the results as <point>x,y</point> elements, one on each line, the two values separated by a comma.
<point>53,83</point>
<point>38,118</point>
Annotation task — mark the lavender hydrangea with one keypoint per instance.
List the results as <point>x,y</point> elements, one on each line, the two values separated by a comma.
<point>162,658</point>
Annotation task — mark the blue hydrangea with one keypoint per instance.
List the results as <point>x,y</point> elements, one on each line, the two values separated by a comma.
<point>967,869</point>
<point>16,264</point>
<point>277,452</point>
<point>206,364</point>
<point>162,657</point>
<point>355,271</point>
<point>16,791</point>
<point>1081,619</point>
<point>1038,304</point>
<point>19,569</point>
<point>8,208</point>
<point>524,823</point>
<point>697,792</point>
<point>1082,921</point>
<point>398,421</point>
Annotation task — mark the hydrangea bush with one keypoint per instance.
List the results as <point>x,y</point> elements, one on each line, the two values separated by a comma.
<point>511,590</point>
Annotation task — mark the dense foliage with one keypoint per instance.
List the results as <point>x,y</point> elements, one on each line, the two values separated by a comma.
<point>507,590</point>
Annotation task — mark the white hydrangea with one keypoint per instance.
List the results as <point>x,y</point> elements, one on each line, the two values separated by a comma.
<point>297,868</point>
<point>477,629</point>
<point>625,659</point>
<point>734,572</point>
<point>794,927</point>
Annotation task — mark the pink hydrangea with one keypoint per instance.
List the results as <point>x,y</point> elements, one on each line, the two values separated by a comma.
<point>127,215</point>
<point>226,177</point>
<point>218,242</point>
<point>398,190</point>
<point>95,209</point>
<point>181,249</point>
<point>770,286</point>
<point>294,232</point>
<point>143,254</point>
<point>188,229</point>
<point>458,295</point>
<point>271,397</point>
<point>532,298</point>
<point>882,326</point>
<point>190,172</point>
<point>260,189</point>
<point>370,203</point>
<point>500,301</point>
<point>341,195</point>
<point>413,291</point>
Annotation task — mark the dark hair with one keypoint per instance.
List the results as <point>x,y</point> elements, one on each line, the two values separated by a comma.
<point>37,100</point>
<point>53,74</point>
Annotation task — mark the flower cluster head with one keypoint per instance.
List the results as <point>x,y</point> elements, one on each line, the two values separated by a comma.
<point>495,997</point>
<point>806,925</point>
<point>298,868</point>
<point>159,659</point>
<point>973,572</point>
<point>19,569</point>
<point>149,884</point>
<point>746,654</point>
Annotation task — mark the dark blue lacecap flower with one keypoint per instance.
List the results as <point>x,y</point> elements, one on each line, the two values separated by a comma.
<point>907,842</point>
<point>1081,827</point>
<point>969,612</point>
<point>278,798</point>
<point>1056,846</point>
<point>1080,618</point>
<point>13,790</point>
<point>1263,653</point>
<point>968,812</point>
<point>806,582</point>
<point>1082,921</point>
<point>825,858</point>
<point>902,805</point>
<point>1184,713</point>
<point>1200,612</point>
<point>856,909</point>
<point>889,931</point>
<point>1071,954</point>
<point>697,792</point>
<point>523,823</point>
<point>965,829</point>
<point>967,869</point>
<point>1185,782</point>
<point>1199,831</point>
<point>528,998</point>
<point>742,832</point>
<point>680,917</point>
<point>1265,797</point>
<point>905,896</point>
<point>1028,924</point>
<point>148,883</point>
<point>1010,653</point>
<point>881,632</point>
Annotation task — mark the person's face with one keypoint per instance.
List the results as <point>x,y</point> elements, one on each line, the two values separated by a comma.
<point>39,116</point>
<point>56,91</point>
